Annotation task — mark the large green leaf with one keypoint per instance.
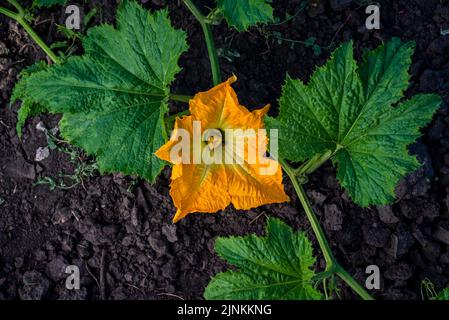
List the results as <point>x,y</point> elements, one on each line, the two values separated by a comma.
<point>277,266</point>
<point>114,98</point>
<point>350,111</point>
<point>242,14</point>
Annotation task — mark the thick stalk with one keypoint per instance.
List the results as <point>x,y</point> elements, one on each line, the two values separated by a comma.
<point>316,227</point>
<point>331,262</point>
<point>315,162</point>
<point>179,97</point>
<point>212,52</point>
<point>350,281</point>
<point>20,18</point>
<point>18,7</point>
<point>8,13</point>
<point>39,41</point>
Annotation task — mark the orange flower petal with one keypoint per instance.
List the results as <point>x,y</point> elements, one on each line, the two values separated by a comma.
<point>185,123</point>
<point>236,116</point>
<point>200,188</point>
<point>209,106</point>
<point>249,189</point>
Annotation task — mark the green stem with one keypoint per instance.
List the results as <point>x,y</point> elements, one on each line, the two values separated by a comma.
<point>172,118</point>
<point>326,295</point>
<point>39,41</point>
<point>9,13</point>
<point>180,97</point>
<point>312,164</point>
<point>331,263</point>
<point>20,18</point>
<point>315,162</point>
<point>323,275</point>
<point>350,281</point>
<point>213,57</point>
<point>319,233</point>
<point>18,7</point>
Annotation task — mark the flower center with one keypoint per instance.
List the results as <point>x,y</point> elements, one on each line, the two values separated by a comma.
<point>214,138</point>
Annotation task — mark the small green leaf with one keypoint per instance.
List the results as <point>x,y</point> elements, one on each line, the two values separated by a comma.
<point>114,98</point>
<point>350,111</point>
<point>242,14</point>
<point>28,108</point>
<point>277,266</point>
<point>443,295</point>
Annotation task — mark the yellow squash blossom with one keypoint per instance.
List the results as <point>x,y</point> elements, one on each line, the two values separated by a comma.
<point>202,187</point>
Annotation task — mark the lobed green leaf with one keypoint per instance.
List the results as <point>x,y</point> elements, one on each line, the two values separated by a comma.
<point>350,110</point>
<point>114,98</point>
<point>277,266</point>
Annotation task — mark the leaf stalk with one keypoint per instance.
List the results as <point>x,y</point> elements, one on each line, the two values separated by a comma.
<point>332,266</point>
<point>19,16</point>
<point>314,163</point>
<point>179,97</point>
<point>351,282</point>
<point>212,52</point>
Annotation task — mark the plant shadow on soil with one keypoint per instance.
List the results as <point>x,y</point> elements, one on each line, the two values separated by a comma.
<point>122,238</point>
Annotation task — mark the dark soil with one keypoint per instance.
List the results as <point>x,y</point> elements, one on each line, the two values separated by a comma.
<point>118,229</point>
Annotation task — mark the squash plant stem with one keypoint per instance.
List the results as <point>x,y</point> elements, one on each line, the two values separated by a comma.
<point>213,57</point>
<point>331,263</point>
<point>20,18</point>
<point>179,97</point>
